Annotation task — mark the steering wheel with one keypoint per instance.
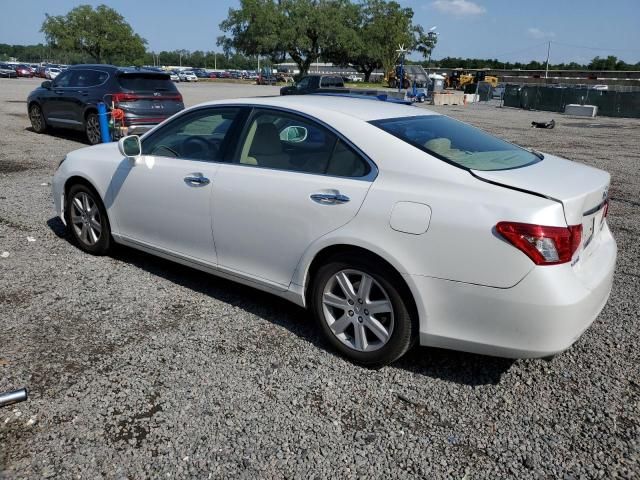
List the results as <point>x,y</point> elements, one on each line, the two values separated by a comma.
<point>164,147</point>
<point>198,147</point>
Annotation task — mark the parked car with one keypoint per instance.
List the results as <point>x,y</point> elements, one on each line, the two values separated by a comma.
<point>390,223</point>
<point>24,71</point>
<point>266,77</point>
<point>315,84</point>
<point>174,76</point>
<point>51,72</point>
<point>70,101</point>
<point>187,76</point>
<point>352,78</point>
<point>200,73</point>
<point>7,71</point>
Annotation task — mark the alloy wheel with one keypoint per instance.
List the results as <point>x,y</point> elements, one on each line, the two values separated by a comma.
<point>85,218</point>
<point>93,129</point>
<point>35,115</point>
<point>358,310</point>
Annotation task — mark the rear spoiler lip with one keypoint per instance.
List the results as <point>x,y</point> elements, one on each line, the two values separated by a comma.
<point>517,189</point>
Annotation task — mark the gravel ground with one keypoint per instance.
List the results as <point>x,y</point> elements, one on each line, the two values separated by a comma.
<point>139,367</point>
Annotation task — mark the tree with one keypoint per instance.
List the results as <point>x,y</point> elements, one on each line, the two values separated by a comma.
<point>424,42</point>
<point>301,29</point>
<point>103,34</point>
<point>609,63</point>
<point>378,27</point>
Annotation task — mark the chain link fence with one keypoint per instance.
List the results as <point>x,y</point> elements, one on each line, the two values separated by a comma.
<point>619,102</point>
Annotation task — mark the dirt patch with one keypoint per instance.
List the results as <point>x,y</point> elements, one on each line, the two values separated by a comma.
<point>7,166</point>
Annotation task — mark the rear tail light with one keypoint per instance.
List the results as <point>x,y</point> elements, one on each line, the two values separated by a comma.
<point>606,208</point>
<point>125,97</point>
<point>544,245</point>
<point>131,97</point>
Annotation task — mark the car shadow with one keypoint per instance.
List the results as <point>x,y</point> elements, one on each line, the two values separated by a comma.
<point>458,367</point>
<point>72,135</point>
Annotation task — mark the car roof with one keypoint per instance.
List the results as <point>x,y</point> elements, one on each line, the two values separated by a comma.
<point>366,109</point>
<point>112,68</point>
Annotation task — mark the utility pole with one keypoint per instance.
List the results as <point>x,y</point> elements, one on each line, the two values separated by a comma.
<point>546,72</point>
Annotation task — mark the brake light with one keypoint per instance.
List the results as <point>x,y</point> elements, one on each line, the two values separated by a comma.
<point>131,97</point>
<point>544,245</point>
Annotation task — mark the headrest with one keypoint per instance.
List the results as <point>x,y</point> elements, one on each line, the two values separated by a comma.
<point>439,145</point>
<point>266,140</point>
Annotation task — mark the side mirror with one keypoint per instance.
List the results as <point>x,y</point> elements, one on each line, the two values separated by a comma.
<point>46,84</point>
<point>294,134</point>
<point>130,146</point>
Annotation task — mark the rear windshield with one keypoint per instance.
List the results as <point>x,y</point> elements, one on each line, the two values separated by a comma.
<point>457,143</point>
<point>156,82</point>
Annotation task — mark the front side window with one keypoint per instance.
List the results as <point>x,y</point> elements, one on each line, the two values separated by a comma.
<point>285,141</point>
<point>63,79</point>
<point>457,143</point>
<point>199,135</point>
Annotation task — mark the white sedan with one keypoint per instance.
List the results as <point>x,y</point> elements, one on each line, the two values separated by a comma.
<point>187,76</point>
<point>52,73</point>
<point>391,224</point>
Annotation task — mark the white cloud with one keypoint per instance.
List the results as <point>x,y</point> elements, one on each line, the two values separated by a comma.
<point>538,34</point>
<point>458,7</point>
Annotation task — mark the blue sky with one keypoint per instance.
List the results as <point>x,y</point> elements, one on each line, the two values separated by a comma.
<point>503,29</point>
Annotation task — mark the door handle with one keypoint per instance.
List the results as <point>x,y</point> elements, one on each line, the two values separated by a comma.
<point>196,181</point>
<point>329,198</point>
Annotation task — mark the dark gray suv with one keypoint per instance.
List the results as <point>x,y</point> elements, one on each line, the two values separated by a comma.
<point>145,97</point>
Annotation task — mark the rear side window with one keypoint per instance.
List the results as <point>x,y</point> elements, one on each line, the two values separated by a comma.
<point>332,82</point>
<point>141,82</point>
<point>457,143</point>
<point>284,141</point>
<point>89,78</point>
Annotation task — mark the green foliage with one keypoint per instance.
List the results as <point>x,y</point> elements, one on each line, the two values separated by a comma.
<point>382,26</point>
<point>610,63</point>
<point>364,34</point>
<point>101,33</point>
<point>300,29</point>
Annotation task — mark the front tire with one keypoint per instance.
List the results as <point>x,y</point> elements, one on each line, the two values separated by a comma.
<point>87,220</point>
<point>361,311</point>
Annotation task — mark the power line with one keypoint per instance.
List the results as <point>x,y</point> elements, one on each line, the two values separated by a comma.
<point>521,50</point>
<point>597,48</point>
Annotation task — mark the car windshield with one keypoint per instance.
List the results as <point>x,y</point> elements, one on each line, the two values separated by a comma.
<point>457,143</point>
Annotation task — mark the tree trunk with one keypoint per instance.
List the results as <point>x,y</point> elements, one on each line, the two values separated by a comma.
<point>367,73</point>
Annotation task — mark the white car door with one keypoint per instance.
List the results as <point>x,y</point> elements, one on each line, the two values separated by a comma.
<point>163,199</point>
<point>291,182</point>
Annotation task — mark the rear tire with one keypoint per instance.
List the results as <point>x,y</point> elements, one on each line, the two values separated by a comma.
<point>38,122</point>
<point>92,129</point>
<point>371,325</point>
<point>87,220</point>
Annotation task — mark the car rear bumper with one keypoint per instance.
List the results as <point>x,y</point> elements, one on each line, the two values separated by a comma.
<point>139,129</point>
<point>544,314</point>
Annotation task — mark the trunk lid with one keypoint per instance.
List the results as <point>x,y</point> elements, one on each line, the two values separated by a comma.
<point>150,95</point>
<point>581,189</point>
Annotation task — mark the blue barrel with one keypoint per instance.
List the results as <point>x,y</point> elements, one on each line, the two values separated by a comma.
<point>104,123</point>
